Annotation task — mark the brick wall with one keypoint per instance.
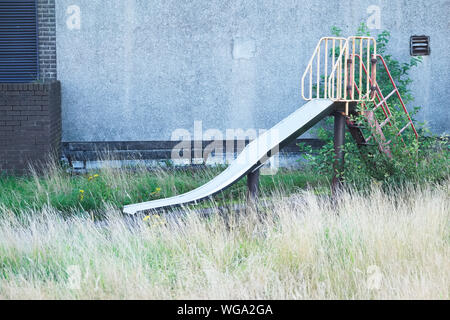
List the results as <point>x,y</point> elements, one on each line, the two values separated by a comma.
<point>47,39</point>
<point>30,124</point>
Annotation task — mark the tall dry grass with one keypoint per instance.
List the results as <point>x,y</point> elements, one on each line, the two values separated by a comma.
<point>378,246</point>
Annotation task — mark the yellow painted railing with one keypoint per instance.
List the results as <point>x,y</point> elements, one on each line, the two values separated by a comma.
<point>335,70</point>
<point>315,77</point>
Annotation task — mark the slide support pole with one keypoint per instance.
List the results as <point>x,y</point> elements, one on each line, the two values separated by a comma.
<point>339,141</point>
<point>252,186</point>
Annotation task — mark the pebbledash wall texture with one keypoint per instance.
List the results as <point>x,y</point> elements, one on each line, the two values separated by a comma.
<point>145,70</point>
<point>138,74</point>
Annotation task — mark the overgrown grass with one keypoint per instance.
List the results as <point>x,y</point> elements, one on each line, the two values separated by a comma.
<point>109,187</point>
<point>374,246</point>
<point>377,243</point>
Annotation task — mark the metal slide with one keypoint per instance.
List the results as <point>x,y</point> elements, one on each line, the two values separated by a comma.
<point>251,158</point>
<point>342,78</point>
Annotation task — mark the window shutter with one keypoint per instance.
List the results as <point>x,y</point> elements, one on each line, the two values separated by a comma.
<point>18,41</point>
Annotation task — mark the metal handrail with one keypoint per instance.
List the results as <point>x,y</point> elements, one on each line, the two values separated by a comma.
<point>399,97</point>
<point>316,57</point>
<point>338,83</point>
<point>382,100</point>
<point>341,85</point>
<point>335,82</point>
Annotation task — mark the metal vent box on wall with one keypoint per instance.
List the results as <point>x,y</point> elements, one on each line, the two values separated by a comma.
<point>18,41</point>
<point>420,45</point>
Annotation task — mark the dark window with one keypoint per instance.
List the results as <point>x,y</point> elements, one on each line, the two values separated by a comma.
<point>18,41</point>
<point>420,45</point>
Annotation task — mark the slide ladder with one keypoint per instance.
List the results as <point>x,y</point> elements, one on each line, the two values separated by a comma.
<point>369,110</point>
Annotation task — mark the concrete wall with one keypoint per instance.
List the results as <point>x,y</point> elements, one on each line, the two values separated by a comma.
<point>140,69</point>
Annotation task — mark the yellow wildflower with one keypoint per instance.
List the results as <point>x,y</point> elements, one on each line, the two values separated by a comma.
<point>155,221</point>
<point>157,190</point>
<point>93,177</point>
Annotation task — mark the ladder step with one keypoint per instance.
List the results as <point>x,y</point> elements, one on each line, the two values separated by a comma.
<point>384,122</point>
<point>356,126</point>
<point>385,98</point>
<point>367,144</point>
<point>404,128</point>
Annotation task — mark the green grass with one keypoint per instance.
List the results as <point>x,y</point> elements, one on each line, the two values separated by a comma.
<point>374,246</point>
<point>115,188</point>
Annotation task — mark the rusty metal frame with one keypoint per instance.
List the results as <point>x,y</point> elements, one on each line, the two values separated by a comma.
<point>353,80</point>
